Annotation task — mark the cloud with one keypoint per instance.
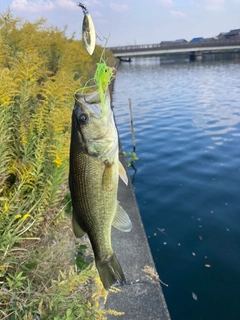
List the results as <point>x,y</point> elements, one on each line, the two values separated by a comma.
<point>165,3</point>
<point>210,5</point>
<point>178,14</point>
<point>99,17</point>
<point>96,14</point>
<point>93,3</point>
<point>214,5</point>
<point>119,7</point>
<point>32,7</point>
<point>41,5</point>
<point>66,4</point>
<point>195,3</point>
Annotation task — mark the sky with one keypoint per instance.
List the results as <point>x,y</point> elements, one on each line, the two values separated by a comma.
<point>130,22</point>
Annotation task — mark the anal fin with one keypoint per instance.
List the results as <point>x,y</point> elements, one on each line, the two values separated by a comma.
<point>78,231</point>
<point>121,220</point>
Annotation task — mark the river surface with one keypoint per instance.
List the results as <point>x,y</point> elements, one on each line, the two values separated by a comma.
<point>187,131</point>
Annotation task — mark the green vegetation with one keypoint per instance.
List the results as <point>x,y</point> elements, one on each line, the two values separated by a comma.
<point>40,69</point>
<point>131,158</point>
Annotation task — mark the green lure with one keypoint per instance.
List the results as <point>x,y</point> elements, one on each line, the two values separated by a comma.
<point>103,77</point>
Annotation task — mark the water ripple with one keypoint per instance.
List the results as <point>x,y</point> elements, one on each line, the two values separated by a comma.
<point>187,128</point>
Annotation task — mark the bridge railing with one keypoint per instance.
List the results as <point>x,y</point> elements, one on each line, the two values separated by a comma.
<point>175,45</point>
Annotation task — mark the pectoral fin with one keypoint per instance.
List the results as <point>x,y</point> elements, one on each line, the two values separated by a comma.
<point>78,231</point>
<point>121,220</point>
<point>122,173</point>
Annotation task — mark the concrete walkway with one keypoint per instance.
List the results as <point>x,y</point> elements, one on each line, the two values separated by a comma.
<point>141,298</point>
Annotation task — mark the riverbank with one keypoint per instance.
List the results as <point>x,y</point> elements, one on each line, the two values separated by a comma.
<point>141,298</point>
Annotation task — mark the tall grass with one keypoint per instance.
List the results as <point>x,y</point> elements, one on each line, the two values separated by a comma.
<point>40,69</point>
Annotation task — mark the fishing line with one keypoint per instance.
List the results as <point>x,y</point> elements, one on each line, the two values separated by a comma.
<point>103,38</point>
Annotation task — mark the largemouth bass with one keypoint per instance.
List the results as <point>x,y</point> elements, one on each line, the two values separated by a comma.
<point>93,181</point>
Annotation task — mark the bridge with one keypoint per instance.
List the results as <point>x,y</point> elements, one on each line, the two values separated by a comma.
<point>195,49</point>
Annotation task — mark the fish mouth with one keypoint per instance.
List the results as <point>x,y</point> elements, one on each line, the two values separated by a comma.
<point>90,101</point>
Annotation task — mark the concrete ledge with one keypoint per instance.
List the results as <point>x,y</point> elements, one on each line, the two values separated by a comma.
<point>141,298</point>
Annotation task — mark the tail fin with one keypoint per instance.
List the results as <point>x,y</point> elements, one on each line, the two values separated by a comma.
<point>110,271</point>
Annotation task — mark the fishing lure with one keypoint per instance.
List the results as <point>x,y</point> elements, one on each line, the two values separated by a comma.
<point>103,77</point>
<point>88,30</point>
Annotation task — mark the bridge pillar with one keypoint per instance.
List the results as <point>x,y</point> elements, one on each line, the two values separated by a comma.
<point>195,56</point>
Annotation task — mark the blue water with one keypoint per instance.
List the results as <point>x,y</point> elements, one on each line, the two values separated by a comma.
<point>187,130</point>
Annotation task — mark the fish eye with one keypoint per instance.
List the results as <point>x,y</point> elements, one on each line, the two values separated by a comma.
<point>83,118</point>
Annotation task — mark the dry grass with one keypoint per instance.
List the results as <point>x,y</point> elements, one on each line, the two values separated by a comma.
<point>152,274</point>
<point>50,282</point>
<point>49,277</point>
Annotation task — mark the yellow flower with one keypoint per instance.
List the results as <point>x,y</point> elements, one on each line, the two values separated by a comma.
<point>71,286</point>
<point>17,216</point>
<point>58,161</point>
<point>5,207</point>
<point>99,282</point>
<point>26,216</point>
